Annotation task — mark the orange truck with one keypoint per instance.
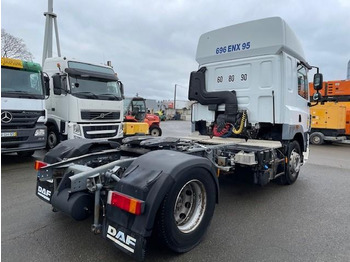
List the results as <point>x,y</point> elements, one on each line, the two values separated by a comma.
<point>330,120</point>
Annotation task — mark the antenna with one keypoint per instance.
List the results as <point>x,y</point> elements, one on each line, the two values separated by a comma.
<point>50,21</point>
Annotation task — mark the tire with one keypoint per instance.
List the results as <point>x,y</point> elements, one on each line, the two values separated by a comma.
<point>187,210</point>
<point>293,165</point>
<point>52,137</point>
<point>317,138</point>
<point>155,131</point>
<point>25,153</point>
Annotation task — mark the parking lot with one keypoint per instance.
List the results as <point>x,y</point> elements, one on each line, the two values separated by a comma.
<point>308,221</point>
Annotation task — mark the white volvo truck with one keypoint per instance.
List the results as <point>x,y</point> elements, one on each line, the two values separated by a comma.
<point>86,101</point>
<point>251,118</point>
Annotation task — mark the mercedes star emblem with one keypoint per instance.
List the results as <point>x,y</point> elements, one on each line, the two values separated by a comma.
<point>6,117</point>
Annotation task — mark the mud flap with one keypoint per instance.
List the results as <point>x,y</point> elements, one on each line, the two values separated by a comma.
<point>44,190</point>
<point>125,240</point>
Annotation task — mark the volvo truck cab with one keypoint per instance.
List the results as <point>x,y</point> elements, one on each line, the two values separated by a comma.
<point>86,101</point>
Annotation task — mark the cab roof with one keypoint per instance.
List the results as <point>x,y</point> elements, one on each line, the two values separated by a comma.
<point>268,36</point>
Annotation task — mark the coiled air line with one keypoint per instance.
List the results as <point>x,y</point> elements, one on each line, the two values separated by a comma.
<point>240,129</point>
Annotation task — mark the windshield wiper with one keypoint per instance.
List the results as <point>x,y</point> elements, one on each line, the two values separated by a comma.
<point>112,96</point>
<point>87,94</point>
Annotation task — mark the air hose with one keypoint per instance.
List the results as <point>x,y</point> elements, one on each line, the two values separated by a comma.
<point>240,129</point>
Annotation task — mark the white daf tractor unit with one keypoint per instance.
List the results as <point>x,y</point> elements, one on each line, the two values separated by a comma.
<point>250,118</point>
<point>252,83</point>
<point>86,101</point>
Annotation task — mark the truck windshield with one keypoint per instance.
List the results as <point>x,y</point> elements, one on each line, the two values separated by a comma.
<point>95,88</point>
<point>21,84</point>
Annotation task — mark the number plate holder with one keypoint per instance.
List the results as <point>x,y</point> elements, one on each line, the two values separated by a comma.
<point>9,134</point>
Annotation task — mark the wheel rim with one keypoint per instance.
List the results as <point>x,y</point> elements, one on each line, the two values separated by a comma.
<point>51,140</point>
<point>294,163</point>
<point>190,206</point>
<point>154,132</point>
<point>316,139</point>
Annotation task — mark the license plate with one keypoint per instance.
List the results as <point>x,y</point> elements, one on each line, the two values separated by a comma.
<point>8,134</point>
<point>44,190</point>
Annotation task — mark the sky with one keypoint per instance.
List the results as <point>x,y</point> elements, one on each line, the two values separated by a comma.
<point>152,44</point>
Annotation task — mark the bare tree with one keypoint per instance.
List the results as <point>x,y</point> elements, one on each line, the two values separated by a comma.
<point>14,47</point>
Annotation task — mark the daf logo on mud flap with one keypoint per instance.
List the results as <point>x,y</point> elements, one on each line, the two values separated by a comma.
<point>121,239</point>
<point>44,193</point>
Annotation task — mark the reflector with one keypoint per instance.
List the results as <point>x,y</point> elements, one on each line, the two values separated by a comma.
<point>39,164</point>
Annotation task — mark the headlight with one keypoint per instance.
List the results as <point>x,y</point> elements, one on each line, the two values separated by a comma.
<point>39,132</point>
<point>76,129</point>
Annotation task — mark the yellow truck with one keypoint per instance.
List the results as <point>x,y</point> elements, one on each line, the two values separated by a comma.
<point>328,122</point>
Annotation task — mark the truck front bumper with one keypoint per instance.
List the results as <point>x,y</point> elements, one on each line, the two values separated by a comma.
<point>15,140</point>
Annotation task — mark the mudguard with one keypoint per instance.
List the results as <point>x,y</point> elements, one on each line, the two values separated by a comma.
<point>76,147</point>
<point>148,178</point>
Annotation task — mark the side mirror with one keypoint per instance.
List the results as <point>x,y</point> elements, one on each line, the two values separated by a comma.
<point>57,84</point>
<point>121,88</point>
<point>318,81</point>
<point>47,85</point>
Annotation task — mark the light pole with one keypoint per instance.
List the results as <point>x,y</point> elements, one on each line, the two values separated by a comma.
<point>51,19</point>
<point>175,97</point>
<point>176,85</point>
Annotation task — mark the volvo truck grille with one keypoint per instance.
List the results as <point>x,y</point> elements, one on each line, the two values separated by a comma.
<point>93,115</point>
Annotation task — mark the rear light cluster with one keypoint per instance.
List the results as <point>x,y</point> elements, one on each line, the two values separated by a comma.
<point>125,202</point>
<point>39,164</point>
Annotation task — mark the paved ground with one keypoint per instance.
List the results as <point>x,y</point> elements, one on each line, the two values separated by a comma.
<point>308,221</point>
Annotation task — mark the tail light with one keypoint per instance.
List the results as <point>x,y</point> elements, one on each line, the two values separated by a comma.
<point>125,202</point>
<point>39,164</point>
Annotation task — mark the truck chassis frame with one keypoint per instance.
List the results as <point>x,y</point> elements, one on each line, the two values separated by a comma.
<point>81,185</point>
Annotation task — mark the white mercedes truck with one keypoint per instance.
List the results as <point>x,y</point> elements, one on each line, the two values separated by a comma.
<point>86,101</point>
<point>251,118</point>
<point>23,114</point>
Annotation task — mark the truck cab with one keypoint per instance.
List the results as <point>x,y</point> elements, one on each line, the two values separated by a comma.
<point>23,113</point>
<point>86,101</point>
<point>252,85</point>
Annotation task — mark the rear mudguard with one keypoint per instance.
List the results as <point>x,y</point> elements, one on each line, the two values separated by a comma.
<point>149,178</point>
<point>77,147</point>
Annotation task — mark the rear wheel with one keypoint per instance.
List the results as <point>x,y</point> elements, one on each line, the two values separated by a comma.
<point>155,131</point>
<point>186,211</point>
<point>52,137</point>
<point>317,138</point>
<point>292,167</point>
